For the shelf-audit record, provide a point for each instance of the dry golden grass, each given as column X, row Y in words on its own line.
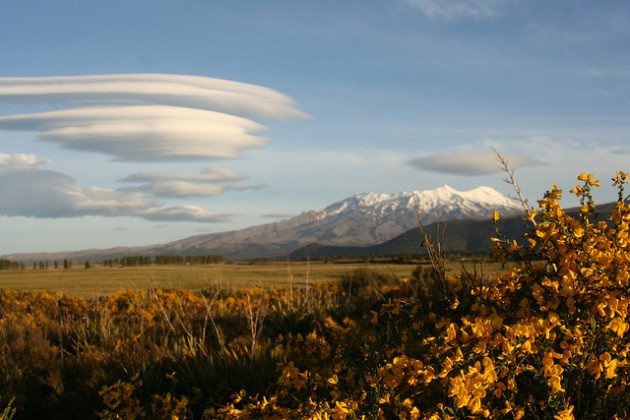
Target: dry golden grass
column 546, row 338
column 98, row 281
column 104, row 280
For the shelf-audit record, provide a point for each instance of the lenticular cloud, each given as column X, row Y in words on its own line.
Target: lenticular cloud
column 469, row 163
column 176, row 90
column 146, row 117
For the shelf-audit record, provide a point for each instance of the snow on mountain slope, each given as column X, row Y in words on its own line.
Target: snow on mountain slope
column 364, row 219
column 429, row 203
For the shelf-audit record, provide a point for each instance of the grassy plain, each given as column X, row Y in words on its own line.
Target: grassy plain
column 100, row 280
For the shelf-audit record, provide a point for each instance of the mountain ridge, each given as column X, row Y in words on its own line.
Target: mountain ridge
column 362, row 219
column 458, row 236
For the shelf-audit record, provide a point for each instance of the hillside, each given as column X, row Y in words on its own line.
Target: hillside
column 465, row 236
column 462, row 236
column 360, row 220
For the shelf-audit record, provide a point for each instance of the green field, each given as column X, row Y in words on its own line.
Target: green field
column 104, row 280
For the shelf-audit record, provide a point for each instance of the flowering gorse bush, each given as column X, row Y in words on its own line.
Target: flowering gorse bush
column 546, row 338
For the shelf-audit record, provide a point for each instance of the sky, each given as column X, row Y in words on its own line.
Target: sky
column 142, row 122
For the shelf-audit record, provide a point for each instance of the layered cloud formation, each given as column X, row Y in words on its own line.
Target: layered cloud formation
column 177, row 185
column 134, row 118
column 166, row 89
column 209, row 175
column 27, row 190
column 146, row 117
column 142, row 132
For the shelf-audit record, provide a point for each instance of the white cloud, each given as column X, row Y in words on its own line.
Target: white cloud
column 186, row 213
column 178, row 189
column 142, row 132
column 33, row 192
column 253, row 187
column 469, row 163
column 147, row 117
column 209, row 175
column 20, row 159
column 277, row 215
column 181, row 189
column 459, row 9
column 550, row 148
column 206, row 93
column 182, row 184
column 133, row 117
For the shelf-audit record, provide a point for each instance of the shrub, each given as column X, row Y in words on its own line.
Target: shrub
column 547, row 338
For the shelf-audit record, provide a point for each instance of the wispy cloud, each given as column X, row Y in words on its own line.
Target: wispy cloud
column 147, row 117
column 550, row 148
column 459, row 9
column 20, row 159
column 26, row 190
column 177, row 189
column 603, row 72
column 277, row 215
column 209, row 175
column 185, row 213
column 181, row 184
column 250, row 187
column 469, row 163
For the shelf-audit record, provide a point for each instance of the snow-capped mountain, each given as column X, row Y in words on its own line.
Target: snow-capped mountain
column 359, row 220
column 362, row 219
column 443, row 203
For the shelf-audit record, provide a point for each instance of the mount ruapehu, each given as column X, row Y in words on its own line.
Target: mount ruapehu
column 361, row 220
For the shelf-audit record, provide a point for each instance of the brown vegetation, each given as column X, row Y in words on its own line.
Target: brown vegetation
column 546, row 339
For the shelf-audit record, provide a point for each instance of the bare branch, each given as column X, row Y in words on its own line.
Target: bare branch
column 505, row 167
column 434, row 251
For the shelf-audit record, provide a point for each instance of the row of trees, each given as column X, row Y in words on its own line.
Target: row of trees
column 37, row 265
column 188, row 259
column 143, row 260
column 45, row 265
column 11, row 265
column 131, row 261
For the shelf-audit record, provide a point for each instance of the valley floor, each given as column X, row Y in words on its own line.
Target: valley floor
column 100, row 280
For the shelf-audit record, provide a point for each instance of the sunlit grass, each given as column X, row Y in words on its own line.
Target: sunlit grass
column 100, row 280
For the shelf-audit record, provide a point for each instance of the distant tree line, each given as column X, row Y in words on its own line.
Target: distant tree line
column 143, row 260
column 130, row 261
column 188, row 259
column 66, row 264
column 37, row 265
column 11, row 265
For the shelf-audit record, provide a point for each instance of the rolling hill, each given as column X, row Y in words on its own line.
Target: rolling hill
column 460, row 236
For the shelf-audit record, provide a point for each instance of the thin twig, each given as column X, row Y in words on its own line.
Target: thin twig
column 435, row 253
column 505, row 167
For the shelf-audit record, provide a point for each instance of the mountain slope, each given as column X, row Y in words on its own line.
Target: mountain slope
column 360, row 220
column 465, row 236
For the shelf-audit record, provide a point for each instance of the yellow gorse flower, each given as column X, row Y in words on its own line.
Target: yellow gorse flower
column 522, row 342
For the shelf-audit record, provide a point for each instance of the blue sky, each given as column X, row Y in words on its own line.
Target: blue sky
column 358, row 96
